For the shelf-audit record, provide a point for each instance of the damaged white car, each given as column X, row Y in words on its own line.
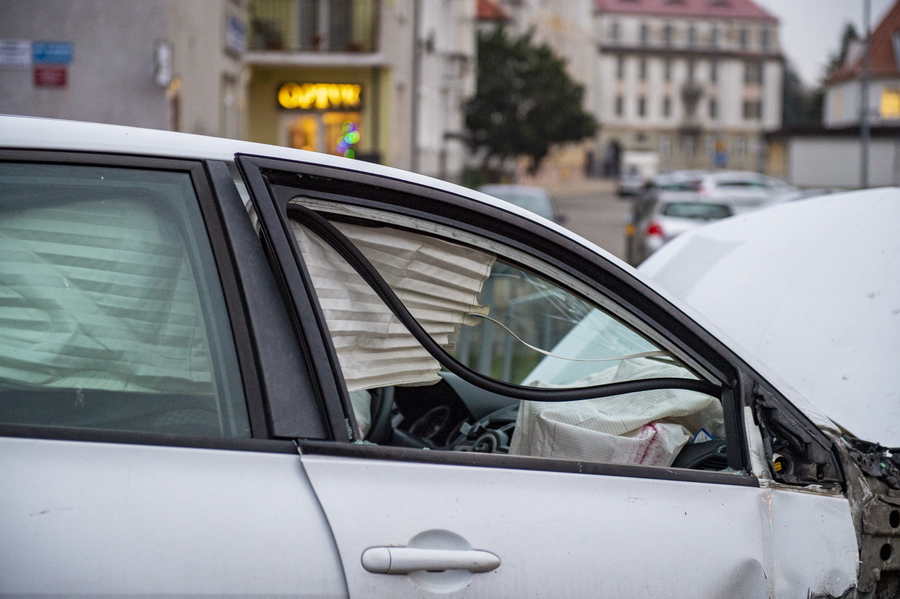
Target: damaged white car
column 238, row 370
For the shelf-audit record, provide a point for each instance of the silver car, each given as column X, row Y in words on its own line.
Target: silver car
column 231, row 369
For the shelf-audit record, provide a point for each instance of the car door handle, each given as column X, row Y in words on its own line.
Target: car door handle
column 403, row 560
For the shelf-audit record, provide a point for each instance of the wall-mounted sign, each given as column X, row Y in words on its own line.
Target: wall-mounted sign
column 322, row 96
column 235, row 36
column 51, row 52
column 15, row 53
column 50, row 76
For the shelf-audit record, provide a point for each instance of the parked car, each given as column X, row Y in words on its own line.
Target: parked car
column 743, row 190
column 244, row 370
column 631, row 183
column 643, row 233
column 530, row 197
column 683, row 200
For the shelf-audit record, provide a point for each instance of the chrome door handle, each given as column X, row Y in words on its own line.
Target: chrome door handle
column 403, row 560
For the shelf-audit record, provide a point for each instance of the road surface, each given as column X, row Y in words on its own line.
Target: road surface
column 592, row 209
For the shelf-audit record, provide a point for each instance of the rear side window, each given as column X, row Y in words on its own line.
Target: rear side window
column 111, row 310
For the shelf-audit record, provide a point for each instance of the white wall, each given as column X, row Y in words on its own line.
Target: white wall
column 447, row 78
column 110, row 78
column 835, row 162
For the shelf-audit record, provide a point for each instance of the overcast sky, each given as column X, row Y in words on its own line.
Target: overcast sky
column 811, row 29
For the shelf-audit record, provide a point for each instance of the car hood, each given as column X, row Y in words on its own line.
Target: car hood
column 812, row 289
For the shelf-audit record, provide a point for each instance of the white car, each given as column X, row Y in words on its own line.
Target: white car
column 743, row 190
column 231, row 369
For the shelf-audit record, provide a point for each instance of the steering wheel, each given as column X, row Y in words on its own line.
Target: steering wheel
column 380, row 431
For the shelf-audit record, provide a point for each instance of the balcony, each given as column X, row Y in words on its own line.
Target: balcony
column 313, row 31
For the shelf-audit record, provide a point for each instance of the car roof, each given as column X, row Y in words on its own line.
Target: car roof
column 513, row 187
column 22, row 132
column 811, row 289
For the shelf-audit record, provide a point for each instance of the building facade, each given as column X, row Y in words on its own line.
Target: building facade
column 697, row 82
column 162, row 64
column 843, row 86
column 381, row 81
column 834, row 155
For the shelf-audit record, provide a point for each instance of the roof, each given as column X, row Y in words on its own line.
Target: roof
column 488, row 10
column 882, row 59
column 706, row 9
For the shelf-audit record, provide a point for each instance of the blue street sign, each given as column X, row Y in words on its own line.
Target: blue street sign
column 51, row 52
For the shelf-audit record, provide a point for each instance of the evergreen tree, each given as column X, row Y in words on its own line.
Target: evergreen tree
column 524, row 103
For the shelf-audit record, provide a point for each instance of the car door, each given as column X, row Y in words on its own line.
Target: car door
column 585, row 498
column 138, row 323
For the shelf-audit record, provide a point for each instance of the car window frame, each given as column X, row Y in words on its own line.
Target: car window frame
column 220, row 247
column 531, row 237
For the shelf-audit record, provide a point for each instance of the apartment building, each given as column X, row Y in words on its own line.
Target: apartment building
column 696, row 81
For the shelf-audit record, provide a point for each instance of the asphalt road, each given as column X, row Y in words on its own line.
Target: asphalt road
column 592, row 209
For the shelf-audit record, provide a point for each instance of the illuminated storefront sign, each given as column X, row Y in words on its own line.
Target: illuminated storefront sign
column 321, row 96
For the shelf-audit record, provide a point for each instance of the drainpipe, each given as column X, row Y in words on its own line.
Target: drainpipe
column 864, row 133
column 415, row 94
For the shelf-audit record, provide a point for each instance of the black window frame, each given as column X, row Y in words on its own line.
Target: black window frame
column 274, row 182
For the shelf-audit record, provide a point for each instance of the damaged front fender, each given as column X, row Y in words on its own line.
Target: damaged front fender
column 873, row 489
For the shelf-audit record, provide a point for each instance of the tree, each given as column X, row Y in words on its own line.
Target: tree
column 848, row 37
column 800, row 106
column 524, row 102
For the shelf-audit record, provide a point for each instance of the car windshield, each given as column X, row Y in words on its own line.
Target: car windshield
column 535, row 200
column 696, row 210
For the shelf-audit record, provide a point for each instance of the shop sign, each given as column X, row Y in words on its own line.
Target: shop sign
column 322, row 96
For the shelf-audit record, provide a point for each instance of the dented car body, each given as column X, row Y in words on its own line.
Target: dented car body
column 234, row 369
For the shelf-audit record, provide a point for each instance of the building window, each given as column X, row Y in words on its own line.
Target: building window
column 687, row 147
column 667, row 69
column 667, row 106
column 314, row 25
column 642, row 107
column 837, row 105
column 890, row 104
column 714, row 37
column 614, row 31
column 692, row 36
column 620, row 105
column 764, row 38
column 620, row 67
column 665, row 146
column 642, row 69
column 713, row 108
column 714, row 71
column 752, row 73
column 740, row 147
column 743, row 38
column 752, row 109
column 667, row 35
column 645, row 34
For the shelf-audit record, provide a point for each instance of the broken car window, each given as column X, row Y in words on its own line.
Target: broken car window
column 512, row 325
